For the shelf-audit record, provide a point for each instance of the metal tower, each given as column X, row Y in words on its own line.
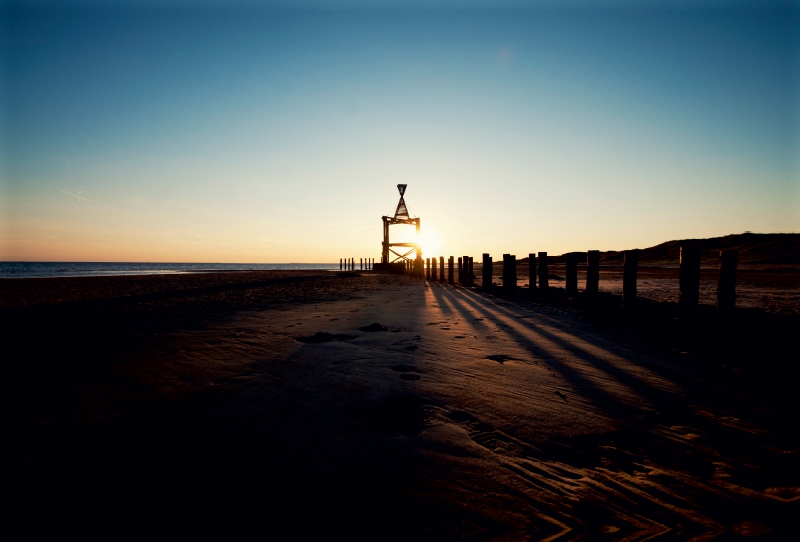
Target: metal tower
column 400, row 217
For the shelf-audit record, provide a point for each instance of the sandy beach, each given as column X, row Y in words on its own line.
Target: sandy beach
column 385, row 407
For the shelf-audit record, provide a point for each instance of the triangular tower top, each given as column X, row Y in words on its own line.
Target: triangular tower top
column 402, row 210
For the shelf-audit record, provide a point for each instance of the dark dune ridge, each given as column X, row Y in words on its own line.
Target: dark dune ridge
column 754, row 249
column 379, row 407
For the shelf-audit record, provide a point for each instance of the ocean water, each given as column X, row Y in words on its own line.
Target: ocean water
column 19, row 270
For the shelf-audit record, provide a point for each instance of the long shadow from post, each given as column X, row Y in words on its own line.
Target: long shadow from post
column 625, row 377
column 455, row 307
column 602, row 344
column 597, row 342
column 605, row 344
column 589, row 390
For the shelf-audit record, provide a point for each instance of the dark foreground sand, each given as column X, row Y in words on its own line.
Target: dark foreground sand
column 264, row 401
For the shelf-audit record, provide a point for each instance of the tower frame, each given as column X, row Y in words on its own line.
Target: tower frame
column 389, row 255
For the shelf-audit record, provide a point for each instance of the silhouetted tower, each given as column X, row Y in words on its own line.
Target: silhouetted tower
column 400, row 217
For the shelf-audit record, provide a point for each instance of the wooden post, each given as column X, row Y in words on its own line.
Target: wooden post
column 460, row 271
column 509, row 273
column 630, row 267
column 592, row 272
column 726, row 289
column 434, row 270
column 544, row 284
column 427, row 269
column 486, row 282
column 441, row 269
column 689, row 278
column 532, row 272
column 340, row 264
column 471, row 271
column 572, row 273
column 450, row 270
column 361, row 264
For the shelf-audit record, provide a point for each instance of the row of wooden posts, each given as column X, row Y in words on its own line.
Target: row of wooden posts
column 689, row 275
column 349, row 264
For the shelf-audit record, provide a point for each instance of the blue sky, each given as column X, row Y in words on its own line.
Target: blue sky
column 158, row 132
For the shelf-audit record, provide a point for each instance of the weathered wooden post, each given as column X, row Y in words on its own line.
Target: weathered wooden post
column 532, row 272
column 434, row 271
column 361, row 264
column 486, row 281
column 572, row 273
column 689, row 278
column 340, row 264
column 471, row 271
column 592, row 272
column 509, row 273
column 427, row 269
column 419, row 272
column 450, row 270
column 460, row 270
column 726, row 288
column 544, row 283
column 630, row 267
column 441, row 269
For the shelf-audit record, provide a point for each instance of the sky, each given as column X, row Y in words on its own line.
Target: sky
column 246, row 131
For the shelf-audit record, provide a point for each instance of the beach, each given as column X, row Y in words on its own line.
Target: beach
column 386, row 407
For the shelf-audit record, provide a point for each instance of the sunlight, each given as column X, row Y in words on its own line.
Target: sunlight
column 430, row 241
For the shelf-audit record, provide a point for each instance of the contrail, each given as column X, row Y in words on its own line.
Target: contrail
column 79, row 197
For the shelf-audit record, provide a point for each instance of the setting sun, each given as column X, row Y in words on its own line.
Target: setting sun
column 430, row 242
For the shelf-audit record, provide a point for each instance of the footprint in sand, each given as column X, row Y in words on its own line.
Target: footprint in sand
column 501, row 358
column 373, row 327
column 324, row 337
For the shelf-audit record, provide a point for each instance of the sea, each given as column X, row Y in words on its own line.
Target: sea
column 26, row 270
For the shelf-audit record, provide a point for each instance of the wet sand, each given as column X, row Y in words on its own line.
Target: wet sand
column 269, row 399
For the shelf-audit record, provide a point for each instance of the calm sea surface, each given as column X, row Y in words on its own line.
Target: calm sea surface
column 19, row 270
